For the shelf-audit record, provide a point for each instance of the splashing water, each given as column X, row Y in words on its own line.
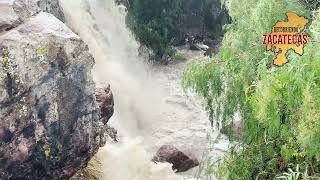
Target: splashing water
column 101, row 25
column 145, row 116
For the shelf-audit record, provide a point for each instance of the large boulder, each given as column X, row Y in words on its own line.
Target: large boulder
column 180, row 161
column 50, row 122
column 14, row 12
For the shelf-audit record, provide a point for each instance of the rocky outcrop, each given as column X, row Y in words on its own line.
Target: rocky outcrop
column 52, row 7
column 50, row 122
column 105, row 101
column 14, row 12
column 180, row 161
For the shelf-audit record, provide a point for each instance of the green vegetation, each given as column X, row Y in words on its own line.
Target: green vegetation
column 47, row 152
column 42, row 50
column 279, row 107
column 293, row 175
column 159, row 24
column 179, row 57
column 154, row 23
column 5, row 58
column 311, row 4
column 4, row 67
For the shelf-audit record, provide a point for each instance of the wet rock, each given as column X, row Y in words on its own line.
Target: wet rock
column 198, row 47
column 194, row 47
column 210, row 52
column 180, row 161
column 112, row 134
column 50, row 122
column 93, row 169
column 15, row 12
column 166, row 59
column 105, row 101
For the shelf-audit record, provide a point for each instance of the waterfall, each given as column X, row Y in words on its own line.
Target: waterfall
column 101, row 24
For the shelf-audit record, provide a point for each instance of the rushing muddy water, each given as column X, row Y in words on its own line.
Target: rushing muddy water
column 151, row 108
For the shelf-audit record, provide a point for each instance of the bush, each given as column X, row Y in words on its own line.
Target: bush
column 311, row 4
column 279, row 106
column 154, row 23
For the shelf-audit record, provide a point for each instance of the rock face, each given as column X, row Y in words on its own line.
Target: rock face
column 105, row 101
column 50, row 122
column 202, row 19
column 52, row 7
column 180, row 161
column 14, row 12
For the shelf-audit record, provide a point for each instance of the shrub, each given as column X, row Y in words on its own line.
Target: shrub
column 154, row 23
column 279, row 106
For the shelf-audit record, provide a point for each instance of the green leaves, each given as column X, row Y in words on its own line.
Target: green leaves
column 205, row 77
column 154, row 23
column 280, row 107
column 291, row 175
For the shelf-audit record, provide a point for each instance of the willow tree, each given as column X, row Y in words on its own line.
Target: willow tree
column 279, row 106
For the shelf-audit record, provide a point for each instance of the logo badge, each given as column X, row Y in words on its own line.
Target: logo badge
column 287, row 36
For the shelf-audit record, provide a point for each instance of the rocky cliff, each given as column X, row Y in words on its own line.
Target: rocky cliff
column 202, row 19
column 50, row 121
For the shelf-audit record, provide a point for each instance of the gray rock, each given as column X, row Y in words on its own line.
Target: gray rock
column 50, row 122
column 14, row 12
column 198, row 47
column 52, row 7
column 105, row 102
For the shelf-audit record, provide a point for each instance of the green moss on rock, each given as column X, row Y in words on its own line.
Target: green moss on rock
column 42, row 50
